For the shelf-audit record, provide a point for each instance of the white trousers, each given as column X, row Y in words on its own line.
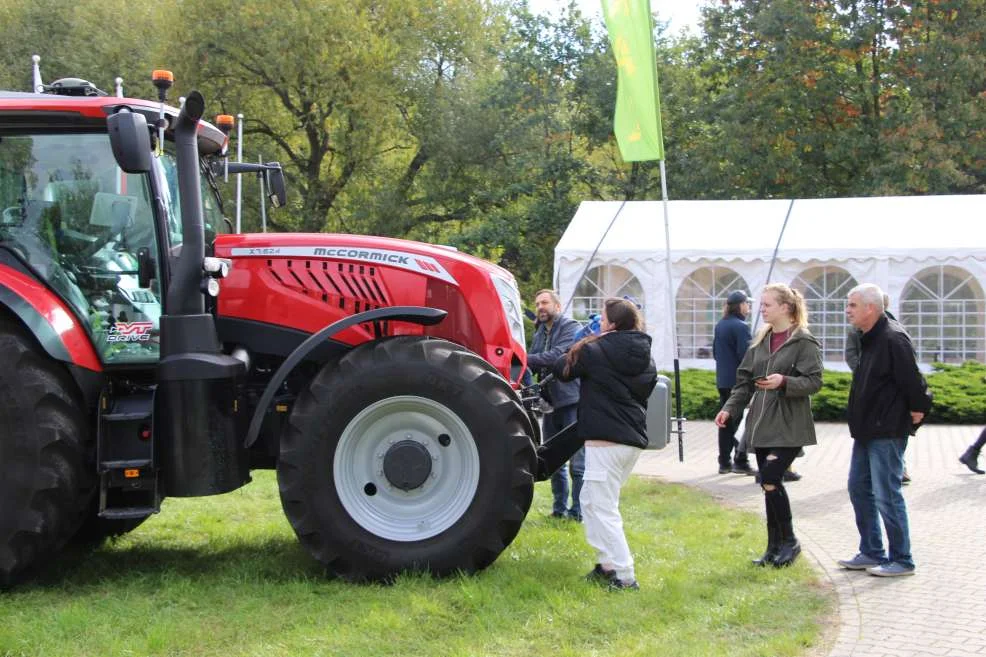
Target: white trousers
column 606, row 470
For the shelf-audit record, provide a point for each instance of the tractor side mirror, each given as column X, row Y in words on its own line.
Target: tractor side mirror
column 130, row 140
column 145, row 267
column 278, row 194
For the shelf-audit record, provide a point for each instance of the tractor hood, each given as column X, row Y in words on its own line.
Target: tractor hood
column 433, row 261
column 304, row 282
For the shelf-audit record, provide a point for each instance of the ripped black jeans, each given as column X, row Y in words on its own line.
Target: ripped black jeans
column 772, row 462
column 772, row 469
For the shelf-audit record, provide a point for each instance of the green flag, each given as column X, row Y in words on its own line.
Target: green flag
column 638, row 105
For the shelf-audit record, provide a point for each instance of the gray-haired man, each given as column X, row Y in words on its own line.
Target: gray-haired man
column 854, row 347
column 887, row 399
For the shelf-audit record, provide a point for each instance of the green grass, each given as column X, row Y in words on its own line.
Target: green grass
column 225, row 576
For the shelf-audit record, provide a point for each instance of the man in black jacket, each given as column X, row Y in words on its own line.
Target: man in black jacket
column 887, row 399
column 854, row 346
column 554, row 335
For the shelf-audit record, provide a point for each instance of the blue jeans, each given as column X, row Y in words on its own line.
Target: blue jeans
column 875, row 473
column 554, row 422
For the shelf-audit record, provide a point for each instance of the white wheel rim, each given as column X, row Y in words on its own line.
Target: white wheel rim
column 385, row 510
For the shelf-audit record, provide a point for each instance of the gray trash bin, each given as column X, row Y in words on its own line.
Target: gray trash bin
column 659, row 414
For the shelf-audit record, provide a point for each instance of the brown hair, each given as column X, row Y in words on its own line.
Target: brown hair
column 554, row 295
column 798, row 313
column 622, row 314
column 732, row 308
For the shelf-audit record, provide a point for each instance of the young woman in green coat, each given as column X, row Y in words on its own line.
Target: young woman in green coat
column 780, row 370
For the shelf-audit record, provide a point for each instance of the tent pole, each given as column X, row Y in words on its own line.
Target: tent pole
column 773, row 257
column 674, row 328
column 588, row 263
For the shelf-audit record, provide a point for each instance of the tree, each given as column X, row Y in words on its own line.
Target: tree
column 935, row 128
column 80, row 39
column 341, row 92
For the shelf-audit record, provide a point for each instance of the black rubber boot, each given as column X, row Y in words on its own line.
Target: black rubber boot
column 789, row 548
column 773, row 547
column 971, row 460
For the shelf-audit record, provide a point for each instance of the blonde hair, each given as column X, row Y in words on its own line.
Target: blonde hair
column 798, row 312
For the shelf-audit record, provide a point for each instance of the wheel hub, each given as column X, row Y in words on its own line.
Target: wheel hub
column 407, row 465
column 406, row 468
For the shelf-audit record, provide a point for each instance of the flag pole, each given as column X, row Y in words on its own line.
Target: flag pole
column 674, row 317
column 637, row 126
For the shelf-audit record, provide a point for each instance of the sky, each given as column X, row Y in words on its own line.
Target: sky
column 683, row 13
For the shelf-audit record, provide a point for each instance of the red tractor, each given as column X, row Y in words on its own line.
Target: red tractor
column 378, row 376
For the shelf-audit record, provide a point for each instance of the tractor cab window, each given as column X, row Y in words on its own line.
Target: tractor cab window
column 78, row 221
column 212, row 216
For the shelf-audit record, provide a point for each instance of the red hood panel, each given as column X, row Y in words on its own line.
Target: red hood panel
column 367, row 249
column 307, row 281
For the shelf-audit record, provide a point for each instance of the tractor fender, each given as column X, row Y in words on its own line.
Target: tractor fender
column 49, row 320
column 413, row 314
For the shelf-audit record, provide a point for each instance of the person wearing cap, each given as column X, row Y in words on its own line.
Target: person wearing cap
column 729, row 345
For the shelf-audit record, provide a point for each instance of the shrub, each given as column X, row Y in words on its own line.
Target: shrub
column 959, row 394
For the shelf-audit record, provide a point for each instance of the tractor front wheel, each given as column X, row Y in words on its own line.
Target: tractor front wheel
column 408, row 454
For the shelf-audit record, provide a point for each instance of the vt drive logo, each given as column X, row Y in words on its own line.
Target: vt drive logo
column 411, row 261
column 130, row 332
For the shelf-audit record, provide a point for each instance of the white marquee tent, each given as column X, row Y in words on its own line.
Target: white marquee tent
column 928, row 253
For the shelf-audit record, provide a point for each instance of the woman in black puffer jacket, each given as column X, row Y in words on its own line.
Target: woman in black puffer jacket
column 617, row 375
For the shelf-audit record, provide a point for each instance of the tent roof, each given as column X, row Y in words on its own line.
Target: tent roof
column 895, row 228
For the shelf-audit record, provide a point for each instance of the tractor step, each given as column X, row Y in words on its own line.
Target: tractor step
column 128, row 476
column 126, row 513
column 107, row 466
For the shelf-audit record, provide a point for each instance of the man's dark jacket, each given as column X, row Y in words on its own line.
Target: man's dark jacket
column 617, row 375
column 729, row 345
column 546, row 347
column 853, row 345
column 886, row 385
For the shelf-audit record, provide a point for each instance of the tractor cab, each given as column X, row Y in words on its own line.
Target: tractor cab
column 87, row 228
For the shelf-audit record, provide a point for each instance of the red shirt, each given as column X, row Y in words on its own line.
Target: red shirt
column 777, row 339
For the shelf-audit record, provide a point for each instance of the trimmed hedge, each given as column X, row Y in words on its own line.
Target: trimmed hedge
column 959, row 394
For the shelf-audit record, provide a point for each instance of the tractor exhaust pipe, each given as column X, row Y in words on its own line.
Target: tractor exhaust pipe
column 185, row 292
column 196, row 416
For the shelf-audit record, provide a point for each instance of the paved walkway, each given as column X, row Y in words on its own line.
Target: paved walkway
column 939, row 611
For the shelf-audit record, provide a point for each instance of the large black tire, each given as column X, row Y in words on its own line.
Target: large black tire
column 365, row 433
column 45, row 486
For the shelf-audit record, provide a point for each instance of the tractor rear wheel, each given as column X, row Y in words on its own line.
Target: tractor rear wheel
column 409, row 454
column 45, row 487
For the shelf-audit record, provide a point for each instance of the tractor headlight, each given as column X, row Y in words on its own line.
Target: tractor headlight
column 510, row 300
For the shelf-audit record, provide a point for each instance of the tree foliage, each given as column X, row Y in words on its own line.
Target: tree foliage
column 479, row 124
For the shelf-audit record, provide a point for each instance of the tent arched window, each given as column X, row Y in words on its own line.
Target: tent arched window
column 944, row 310
column 825, row 289
column 601, row 283
column 698, row 307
